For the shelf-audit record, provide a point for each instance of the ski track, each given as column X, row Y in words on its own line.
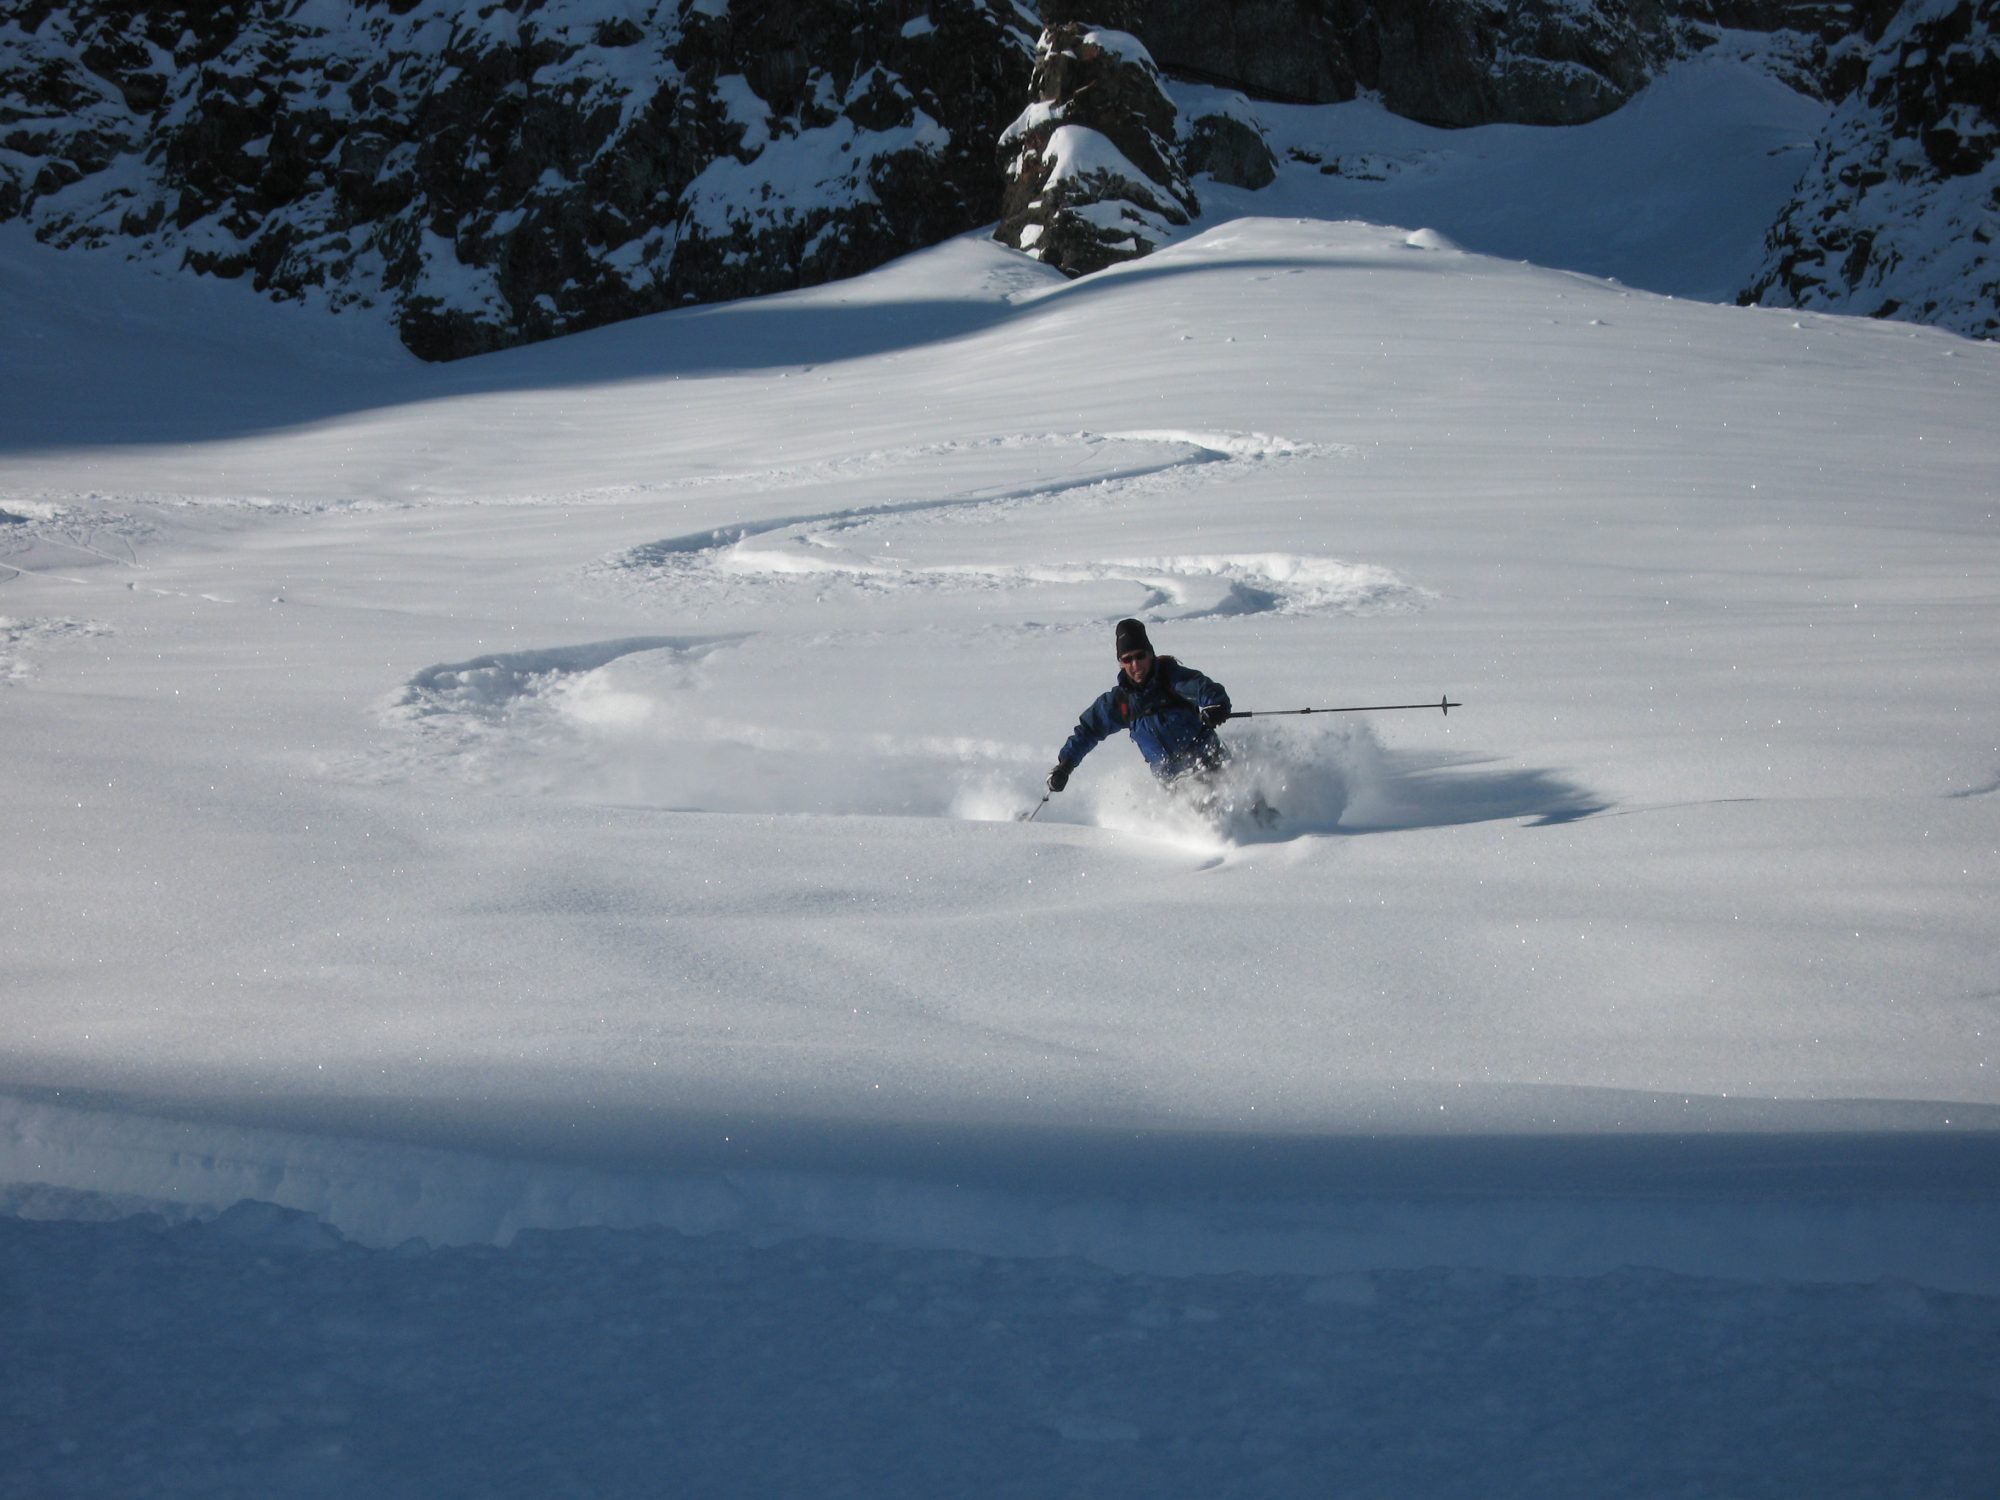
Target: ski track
column 530, row 719
column 472, row 715
column 19, row 637
column 545, row 722
column 520, row 715
column 809, row 550
column 43, row 536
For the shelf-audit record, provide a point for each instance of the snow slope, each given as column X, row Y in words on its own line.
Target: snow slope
column 474, row 679
column 575, row 789
column 609, row 1362
column 1673, row 193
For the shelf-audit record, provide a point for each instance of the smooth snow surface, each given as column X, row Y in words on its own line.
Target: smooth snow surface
column 542, row 758
column 576, row 790
column 1672, row 193
column 605, row 1362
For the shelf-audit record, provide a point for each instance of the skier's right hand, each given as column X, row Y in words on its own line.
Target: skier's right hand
column 1059, row 777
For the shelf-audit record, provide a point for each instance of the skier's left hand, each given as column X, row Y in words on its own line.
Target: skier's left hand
column 1214, row 714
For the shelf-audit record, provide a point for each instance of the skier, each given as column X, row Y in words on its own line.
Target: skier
column 1171, row 711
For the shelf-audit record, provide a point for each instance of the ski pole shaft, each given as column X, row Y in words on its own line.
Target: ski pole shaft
column 1443, row 705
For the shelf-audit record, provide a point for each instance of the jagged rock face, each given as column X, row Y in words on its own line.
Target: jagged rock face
column 1821, row 48
column 1899, row 213
column 1446, row 62
column 1229, row 149
column 1533, row 62
column 518, row 169
column 508, row 170
column 1092, row 166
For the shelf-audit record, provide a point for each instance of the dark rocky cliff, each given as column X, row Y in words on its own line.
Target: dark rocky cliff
column 1899, row 213
column 1456, row 63
column 1445, row 62
column 506, row 171
column 1093, row 167
column 1896, row 218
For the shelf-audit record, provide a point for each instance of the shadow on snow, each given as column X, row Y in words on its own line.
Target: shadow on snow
column 1444, row 789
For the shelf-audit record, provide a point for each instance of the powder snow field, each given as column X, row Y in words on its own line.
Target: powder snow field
column 575, row 791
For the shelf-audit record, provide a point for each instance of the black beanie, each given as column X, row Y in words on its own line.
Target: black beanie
column 1132, row 637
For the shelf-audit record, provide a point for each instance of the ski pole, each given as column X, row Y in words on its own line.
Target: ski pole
column 1029, row 817
column 1443, row 705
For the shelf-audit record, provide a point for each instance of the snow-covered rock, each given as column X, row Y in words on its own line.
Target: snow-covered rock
column 1452, row 62
column 494, row 175
column 500, row 174
column 1898, row 214
column 1092, row 166
column 1226, row 141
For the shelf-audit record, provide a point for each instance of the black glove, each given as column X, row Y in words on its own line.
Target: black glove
column 1214, row 714
column 1059, row 777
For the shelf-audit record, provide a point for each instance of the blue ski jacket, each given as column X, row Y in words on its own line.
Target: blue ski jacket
column 1163, row 717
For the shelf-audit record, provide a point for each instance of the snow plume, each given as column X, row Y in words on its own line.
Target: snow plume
column 1282, row 781
column 633, row 722
column 490, row 718
column 651, row 742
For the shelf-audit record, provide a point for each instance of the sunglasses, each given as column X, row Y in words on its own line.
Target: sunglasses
column 1131, row 657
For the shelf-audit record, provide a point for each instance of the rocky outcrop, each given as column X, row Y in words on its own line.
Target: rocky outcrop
column 1092, row 166
column 1899, row 213
column 505, row 172
column 1228, row 147
column 1445, row 62
column 1897, row 217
